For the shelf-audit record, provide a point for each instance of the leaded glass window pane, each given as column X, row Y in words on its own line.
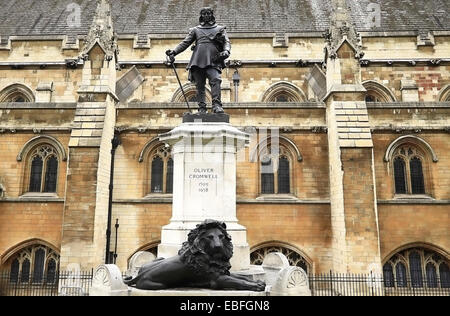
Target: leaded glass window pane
column 400, row 274
column 51, row 271
column 431, row 275
column 399, row 175
column 415, row 267
column 169, row 177
column 14, row 271
column 25, row 275
column 157, row 175
column 388, row 274
column 51, row 174
column 38, row 270
column 36, row 174
column 444, row 275
column 283, row 176
column 417, row 184
column 267, row 177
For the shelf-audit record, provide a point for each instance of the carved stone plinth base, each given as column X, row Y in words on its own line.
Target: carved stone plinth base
column 281, row 280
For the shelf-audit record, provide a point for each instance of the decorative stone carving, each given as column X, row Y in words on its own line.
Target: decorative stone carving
column 284, row 279
column 107, row 281
column 101, row 33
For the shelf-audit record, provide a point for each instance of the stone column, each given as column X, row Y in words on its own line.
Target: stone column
column 204, row 185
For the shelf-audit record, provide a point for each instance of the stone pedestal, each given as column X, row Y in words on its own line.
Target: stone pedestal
column 204, row 155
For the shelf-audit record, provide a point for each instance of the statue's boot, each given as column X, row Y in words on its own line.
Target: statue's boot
column 202, row 108
column 217, row 107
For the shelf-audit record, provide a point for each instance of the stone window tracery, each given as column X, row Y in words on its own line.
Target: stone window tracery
column 43, row 168
column 16, row 93
column 295, row 259
column 161, row 166
column 376, row 92
column 35, row 264
column 417, row 268
column 284, row 92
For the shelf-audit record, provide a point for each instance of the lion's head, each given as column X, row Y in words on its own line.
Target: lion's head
column 208, row 248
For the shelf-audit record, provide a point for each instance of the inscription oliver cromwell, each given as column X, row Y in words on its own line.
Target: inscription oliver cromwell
column 202, row 180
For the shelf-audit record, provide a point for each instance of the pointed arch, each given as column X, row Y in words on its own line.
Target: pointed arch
column 417, row 244
column 417, row 265
column 378, row 91
column 27, row 243
column 190, row 91
column 17, row 92
column 444, row 94
column 294, row 255
column 148, row 147
column 29, row 145
column 412, row 139
column 286, row 89
column 158, row 167
column 283, row 140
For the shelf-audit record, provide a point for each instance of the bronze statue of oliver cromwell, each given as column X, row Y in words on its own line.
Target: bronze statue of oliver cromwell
column 212, row 47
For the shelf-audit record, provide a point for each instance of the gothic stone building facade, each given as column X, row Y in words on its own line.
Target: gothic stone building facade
column 358, row 91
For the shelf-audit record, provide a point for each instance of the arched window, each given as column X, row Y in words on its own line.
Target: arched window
column 283, row 91
column 376, row 92
column 161, row 177
column 43, row 169
column 36, row 264
column 276, row 173
column 16, row 93
column 414, row 265
column 294, row 256
column 408, row 170
column 191, row 94
column 276, row 156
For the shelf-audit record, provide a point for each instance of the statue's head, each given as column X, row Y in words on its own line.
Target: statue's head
column 207, row 16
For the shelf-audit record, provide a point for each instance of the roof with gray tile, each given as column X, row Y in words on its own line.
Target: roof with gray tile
column 400, row 15
column 45, row 17
column 163, row 16
column 52, row 17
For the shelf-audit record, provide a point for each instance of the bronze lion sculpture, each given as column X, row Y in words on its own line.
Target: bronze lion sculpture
column 202, row 262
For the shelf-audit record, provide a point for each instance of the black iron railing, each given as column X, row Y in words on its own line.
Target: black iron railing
column 65, row 283
column 336, row 284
